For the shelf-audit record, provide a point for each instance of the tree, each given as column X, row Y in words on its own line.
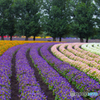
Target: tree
column 97, row 34
column 58, row 18
column 98, row 14
column 84, row 23
column 97, row 2
column 35, row 27
column 11, row 18
column 3, row 18
column 29, row 17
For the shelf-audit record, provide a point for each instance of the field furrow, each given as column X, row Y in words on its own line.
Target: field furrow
column 90, row 56
column 44, row 87
column 81, row 81
column 6, row 73
column 49, row 71
column 61, row 88
column 92, row 72
column 14, row 82
column 77, row 56
column 28, row 86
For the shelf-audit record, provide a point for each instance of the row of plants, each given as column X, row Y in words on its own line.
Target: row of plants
column 97, row 45
column 90, row 56
column 72, row 48
column 59, row 85
column 5, row 73
column 81, row 81
column 79, row 49
column 38, row 37
column 51, row 74
column 5, row 45
column 90, row 47
column 28, row 86
column 92, row 72
column 77, row 56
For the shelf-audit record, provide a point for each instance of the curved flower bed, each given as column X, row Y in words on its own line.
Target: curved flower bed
column 93, row 46
column 95, row 73
column 75, row 55
column 90, row 56
column 55, row 73
column 76, row 52
column 5, row 73
column 82, row 82
column 90, row 48
column 5, row 45
column 28, row 85
column 61, row 88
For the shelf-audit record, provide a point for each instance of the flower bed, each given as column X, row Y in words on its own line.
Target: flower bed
column 60, row 77
column 90, row 48
column 90, row 55
column 82, row 81
column 61, row 88
column 5, row 45
column 28, row 85
column 77, row 56
column 95, row 73
column 5, row 73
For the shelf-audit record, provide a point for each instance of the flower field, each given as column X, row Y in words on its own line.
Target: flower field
column 5, row 45
column 92, row 47
column 48, row 71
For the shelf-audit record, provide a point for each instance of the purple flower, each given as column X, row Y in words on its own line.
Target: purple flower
column 82, row 81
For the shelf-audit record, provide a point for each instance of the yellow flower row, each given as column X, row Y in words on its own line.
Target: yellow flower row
column 6, row 44
column 38, row 37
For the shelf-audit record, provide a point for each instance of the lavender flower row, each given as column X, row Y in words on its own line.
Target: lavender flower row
column 28, row 86
column 81, row 80
column 5, row 73
column 61, row 88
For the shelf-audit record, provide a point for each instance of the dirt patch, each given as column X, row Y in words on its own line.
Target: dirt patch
column 14, row 83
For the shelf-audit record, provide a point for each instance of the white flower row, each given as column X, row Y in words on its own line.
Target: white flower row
column 89, row 47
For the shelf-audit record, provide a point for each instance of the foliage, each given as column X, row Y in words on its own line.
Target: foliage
column 11, row 18
column 29, row 15
column 58, row 18
column 3, row 19
column 84, row 23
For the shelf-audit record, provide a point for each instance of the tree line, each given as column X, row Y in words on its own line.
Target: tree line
column 57, row 18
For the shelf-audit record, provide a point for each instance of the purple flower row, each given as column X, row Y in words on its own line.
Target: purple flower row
column 28, row 85
column 61, row 88
column 5, row 73
column 80, row 79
